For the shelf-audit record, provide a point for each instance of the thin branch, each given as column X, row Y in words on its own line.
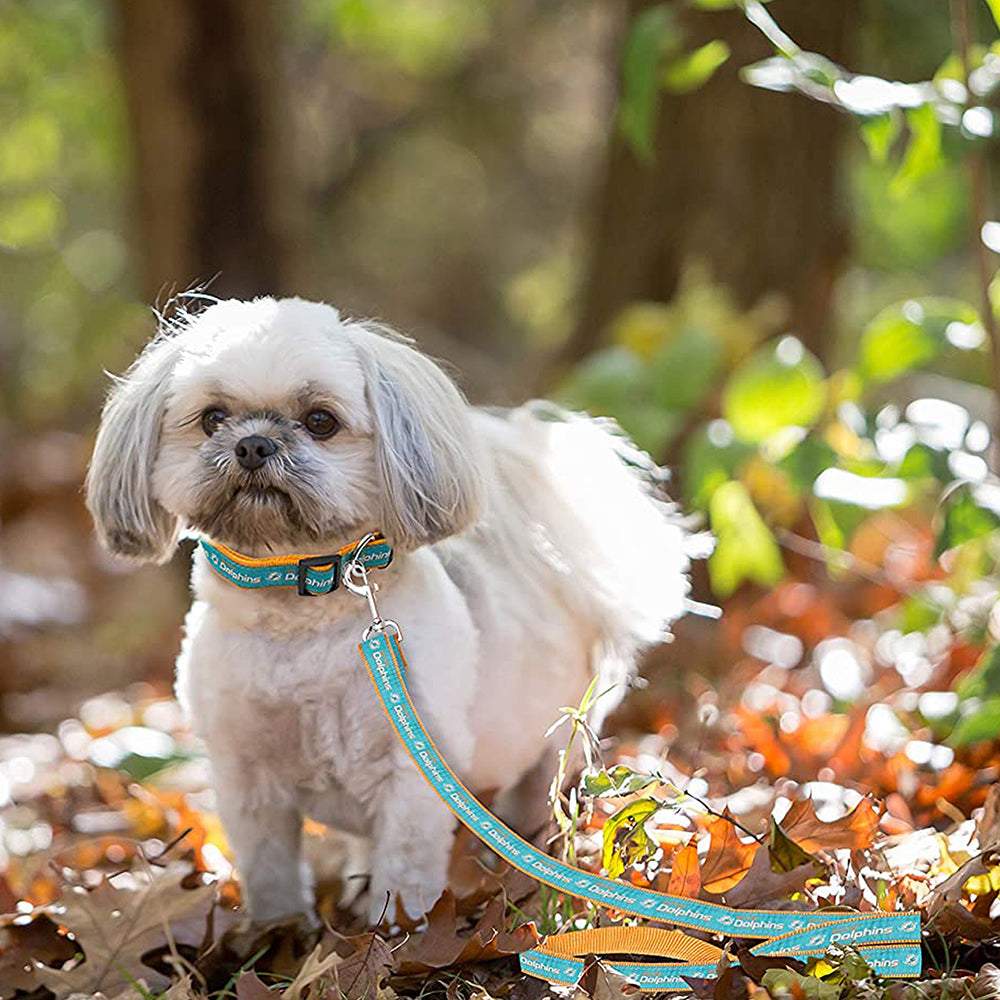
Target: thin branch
column 851, row 563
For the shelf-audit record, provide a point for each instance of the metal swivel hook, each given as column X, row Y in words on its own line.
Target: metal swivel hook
column 355, row 579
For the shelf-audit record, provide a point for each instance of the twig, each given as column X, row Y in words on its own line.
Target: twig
column 980, row 206
column 712, row 812
column 826, row 554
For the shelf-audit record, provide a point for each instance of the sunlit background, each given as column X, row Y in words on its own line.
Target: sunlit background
column 770, row 263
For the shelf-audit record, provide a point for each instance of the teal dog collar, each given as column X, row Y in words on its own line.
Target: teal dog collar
column 311, row 575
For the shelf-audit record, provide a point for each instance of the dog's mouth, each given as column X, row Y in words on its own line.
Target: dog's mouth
column 259, row 493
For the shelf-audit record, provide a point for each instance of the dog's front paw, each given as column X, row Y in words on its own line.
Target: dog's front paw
column 400, row 896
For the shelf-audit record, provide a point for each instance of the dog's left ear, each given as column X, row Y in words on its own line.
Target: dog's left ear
column 428, row 458
column 130, row 521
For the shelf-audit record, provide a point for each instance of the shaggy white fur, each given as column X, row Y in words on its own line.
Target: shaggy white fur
column 531, row 552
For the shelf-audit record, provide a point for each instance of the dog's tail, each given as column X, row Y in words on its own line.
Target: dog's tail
column 609, row 537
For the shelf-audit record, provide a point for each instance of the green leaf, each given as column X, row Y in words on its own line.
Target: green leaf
column 917, row 615
column 651, row 35
column 807, row 460
column 694, row 69
column 604, row 381
column 745, row 548
column 923, row 152
column 965, row 518
column 30, row 149
column 620, row 780
column 829, row 530
column 994, row 6
column 909, row 334
column 710, row 461
column 921, row 461
column 685, row 370
column 30, row 220
column 983, row 681
column 625, row 838
column 616, row 382
column 983, row 723
column 879, row 133
column 778, row 386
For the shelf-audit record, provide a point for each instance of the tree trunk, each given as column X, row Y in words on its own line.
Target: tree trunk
column 743, row 179
column 214, row 191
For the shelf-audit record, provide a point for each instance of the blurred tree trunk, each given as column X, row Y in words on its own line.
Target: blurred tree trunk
column 744, row 180
column 214, row 192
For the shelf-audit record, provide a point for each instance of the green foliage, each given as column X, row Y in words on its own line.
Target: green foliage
column 62, row 160
column 781, row 983
column 684, row 371
column 980, row 722
column 965, row 518
column 779, row 386
column 652, row 34
column 421, row 38
column 879, row 133
column 711, row 459
column 994, row 6
column 626, row 840
column 745, row 548
column 694, row 69
column 984, row 680
column 619, row 780
column 911, row 334
column 652, row 61
column 924, row 155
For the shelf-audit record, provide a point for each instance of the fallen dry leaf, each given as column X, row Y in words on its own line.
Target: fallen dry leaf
column 727, row 984
column 24, row 943
column 762, row 886
column 443, row 944
column 954, row 920
column 249, row 987
column 315, row 970
column 115, row 926
column 950, row 890
column 685, row 876
column 854, row 831
column 360, row 975
column 600, row 982
column 988, row 823
column 728, row 858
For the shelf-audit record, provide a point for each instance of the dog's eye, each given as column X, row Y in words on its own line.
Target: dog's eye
column 212, row 419
column 321, row 424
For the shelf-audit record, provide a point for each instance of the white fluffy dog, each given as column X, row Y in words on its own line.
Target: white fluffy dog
column 531, row 551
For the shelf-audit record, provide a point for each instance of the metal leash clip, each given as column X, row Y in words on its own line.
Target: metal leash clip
column 354, row 577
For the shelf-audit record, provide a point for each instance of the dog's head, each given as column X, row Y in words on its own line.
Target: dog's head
column 276, row 424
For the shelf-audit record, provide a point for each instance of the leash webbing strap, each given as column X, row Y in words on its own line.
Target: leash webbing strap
column 889, row 942
column 312, row 575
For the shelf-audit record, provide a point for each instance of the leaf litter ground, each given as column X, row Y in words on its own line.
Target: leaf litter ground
column 798, row 766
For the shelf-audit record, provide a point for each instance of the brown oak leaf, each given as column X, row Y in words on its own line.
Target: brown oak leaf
column 728, row 858
column 115, row 926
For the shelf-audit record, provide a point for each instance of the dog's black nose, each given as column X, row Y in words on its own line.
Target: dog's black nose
column 252, row 451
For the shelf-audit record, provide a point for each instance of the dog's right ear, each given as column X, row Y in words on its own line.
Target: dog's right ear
column 130, row 522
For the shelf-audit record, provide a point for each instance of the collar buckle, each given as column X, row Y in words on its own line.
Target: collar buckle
column 311, row 562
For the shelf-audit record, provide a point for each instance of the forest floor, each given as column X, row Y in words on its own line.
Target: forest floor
column 791, row 764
